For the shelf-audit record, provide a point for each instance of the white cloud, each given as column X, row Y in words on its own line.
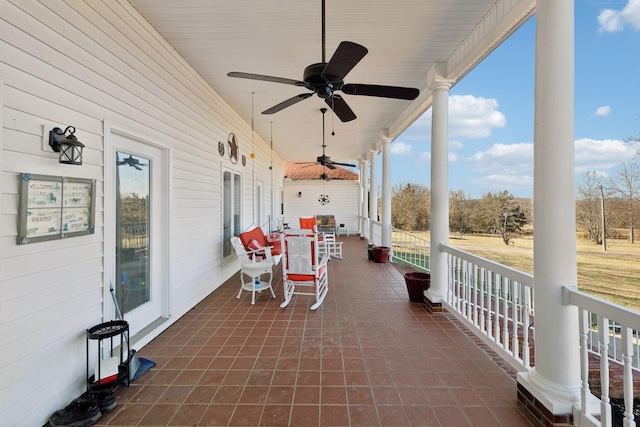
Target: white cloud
column 611, row 20
column 469, row 117
column 605, row 110
column 510, row 159
column 399, row 147
column 597, row 155
column 455, row 145
column 510, row 166
column 499, row 182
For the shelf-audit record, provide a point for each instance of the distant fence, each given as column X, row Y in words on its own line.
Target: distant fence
column 410, row 249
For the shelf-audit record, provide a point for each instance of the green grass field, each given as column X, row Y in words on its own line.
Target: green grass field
column 613, row 275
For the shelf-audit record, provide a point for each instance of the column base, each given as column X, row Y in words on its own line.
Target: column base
column 432, row 306
column 540, row 407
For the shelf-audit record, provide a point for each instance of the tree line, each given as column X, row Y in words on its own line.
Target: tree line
column 609, row 202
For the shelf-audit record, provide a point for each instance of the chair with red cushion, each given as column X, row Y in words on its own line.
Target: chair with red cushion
column 308, row 223
column 253, row 270
column 304, row 270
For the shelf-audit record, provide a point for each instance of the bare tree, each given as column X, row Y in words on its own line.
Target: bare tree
column 626, row 185
column 589, row 206
column 500, row 213
column 410, row 207
column 460, row 212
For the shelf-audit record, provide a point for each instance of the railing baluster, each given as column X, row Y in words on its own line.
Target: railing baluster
column 497, row 281
column 585, row 393
column 526, row 324
column 515, row 342
column 483, row 288
column 505, row 312
column 475, row 295
column 627, row 357
column 490, row 284
column 603, row 340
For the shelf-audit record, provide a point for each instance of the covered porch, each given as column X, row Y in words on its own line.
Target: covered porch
column 367, row 357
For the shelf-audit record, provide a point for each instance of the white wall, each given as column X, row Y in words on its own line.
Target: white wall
column 86, row 64
column 343, row 201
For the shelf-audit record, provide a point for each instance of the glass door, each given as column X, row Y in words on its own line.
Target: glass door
column 137, row 223
column 133, row 240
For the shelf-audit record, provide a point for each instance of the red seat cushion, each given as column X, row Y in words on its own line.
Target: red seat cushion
column 303, row 277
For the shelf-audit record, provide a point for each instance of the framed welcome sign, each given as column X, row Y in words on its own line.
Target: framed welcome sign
column 54, row 207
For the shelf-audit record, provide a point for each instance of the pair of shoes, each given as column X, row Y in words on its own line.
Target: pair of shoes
column 80, row 412
column 104, row 399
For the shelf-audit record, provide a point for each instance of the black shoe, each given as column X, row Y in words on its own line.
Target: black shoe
column 79, row 413
column 105, row 400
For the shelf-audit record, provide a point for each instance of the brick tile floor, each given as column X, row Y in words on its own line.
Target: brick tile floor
column 367, row 357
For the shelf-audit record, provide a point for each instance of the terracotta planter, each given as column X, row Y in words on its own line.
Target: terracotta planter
column 417, row 283
column 381, row 253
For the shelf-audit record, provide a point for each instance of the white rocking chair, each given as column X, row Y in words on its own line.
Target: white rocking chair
column 253, row 270
column 303, row 272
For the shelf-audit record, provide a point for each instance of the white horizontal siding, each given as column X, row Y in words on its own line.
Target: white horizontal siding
column 343, row 203
column 84, row 64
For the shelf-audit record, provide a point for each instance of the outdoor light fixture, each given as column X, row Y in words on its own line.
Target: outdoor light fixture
column 299, row 193
column 68, row 146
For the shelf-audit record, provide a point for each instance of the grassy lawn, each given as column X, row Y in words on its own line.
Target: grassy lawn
column 613, row 275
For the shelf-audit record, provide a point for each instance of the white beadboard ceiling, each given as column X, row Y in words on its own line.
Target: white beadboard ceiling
column 281, row 37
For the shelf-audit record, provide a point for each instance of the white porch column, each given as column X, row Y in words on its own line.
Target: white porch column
column 373, row 193
column 555, row 381
column 364, row 200
column 385, row 218
column 439, row 190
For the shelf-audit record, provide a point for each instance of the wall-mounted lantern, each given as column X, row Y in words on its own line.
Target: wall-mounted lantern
column 68, row 146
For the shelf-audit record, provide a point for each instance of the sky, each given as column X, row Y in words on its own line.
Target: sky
column 491, row 109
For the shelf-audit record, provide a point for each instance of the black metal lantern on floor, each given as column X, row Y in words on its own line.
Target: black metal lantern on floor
column 68, row 146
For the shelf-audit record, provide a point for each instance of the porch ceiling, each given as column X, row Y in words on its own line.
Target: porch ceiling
column 281, row 37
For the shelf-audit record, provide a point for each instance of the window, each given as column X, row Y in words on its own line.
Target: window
column 232, row 209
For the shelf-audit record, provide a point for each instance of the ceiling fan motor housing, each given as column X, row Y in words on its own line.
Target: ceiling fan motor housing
column 323, row 85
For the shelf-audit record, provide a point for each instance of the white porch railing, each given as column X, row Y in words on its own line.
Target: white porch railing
column 609, row 333
column 495, row 301
column 410, row 249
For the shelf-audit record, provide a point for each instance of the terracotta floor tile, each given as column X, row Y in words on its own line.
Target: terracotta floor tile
column 366, row 357
column 305, row 416
column 363, row 416
column 393, row 416
column 217, row 415
column 188, row 415
column 159, row 414
column 334, row 415
column 247, row 415
column 276, row 415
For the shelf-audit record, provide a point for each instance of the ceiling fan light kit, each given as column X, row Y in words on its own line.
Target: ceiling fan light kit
column 325, row 78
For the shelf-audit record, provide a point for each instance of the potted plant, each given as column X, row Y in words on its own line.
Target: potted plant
column 417, row 283
column 381, row 253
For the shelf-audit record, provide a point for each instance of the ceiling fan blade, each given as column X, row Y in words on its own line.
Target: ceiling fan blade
column 344, row 164
column 396, row 92
column 329, row 165
column 289, row 102
column 340, row 107
column 262, row 77
column 346, row 56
